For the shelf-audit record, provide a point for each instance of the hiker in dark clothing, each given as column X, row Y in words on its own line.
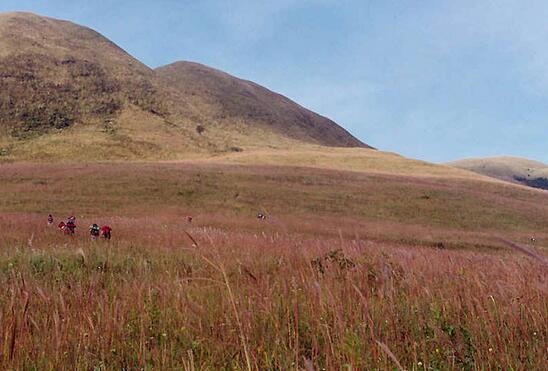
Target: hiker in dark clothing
column 70, row 226
column 94, row 231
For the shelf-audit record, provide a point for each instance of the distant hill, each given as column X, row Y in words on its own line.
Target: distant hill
column 511, row 169
column 69, row 92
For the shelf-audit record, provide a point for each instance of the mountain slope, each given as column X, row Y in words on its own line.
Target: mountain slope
column 68, row 92
column 55, row 73
column 511, row 169
column 232, row 99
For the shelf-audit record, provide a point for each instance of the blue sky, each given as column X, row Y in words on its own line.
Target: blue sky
column 435, row 80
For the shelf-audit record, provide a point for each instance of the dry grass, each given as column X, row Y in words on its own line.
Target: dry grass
column 386, row 277
column 151, row 299
column 138, row 135
column 349, row 159
column 288, row 192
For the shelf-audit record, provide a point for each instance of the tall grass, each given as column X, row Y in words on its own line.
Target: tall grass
column 240, row 298
column 349, row 271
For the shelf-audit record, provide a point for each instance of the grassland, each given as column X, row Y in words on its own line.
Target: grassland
column 351, row 270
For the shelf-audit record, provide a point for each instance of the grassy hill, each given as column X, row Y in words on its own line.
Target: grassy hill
column 55, row 74
column 510, row 169
column 229, row 100
column 69, row 93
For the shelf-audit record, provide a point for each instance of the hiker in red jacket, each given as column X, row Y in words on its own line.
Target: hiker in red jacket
column 106, row 232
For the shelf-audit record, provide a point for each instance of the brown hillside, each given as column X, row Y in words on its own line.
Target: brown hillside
column 66, row 90
column 233, row 99
column 55, row 73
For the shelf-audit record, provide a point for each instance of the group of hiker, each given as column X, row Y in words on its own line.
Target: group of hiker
column 68, row 227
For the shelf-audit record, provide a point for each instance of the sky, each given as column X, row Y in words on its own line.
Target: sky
column 434, row 80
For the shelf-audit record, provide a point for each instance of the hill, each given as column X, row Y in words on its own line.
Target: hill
column 68, row 91
column 231, row 99
column 55, row 74
column 511, row 169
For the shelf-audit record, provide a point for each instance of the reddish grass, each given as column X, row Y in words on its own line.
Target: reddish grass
column 349, row 271
column 260, row 298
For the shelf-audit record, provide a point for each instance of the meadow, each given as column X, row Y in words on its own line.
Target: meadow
column 350, row 271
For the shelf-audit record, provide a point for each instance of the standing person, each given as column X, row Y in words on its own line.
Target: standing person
column 105, row 232
column 94, row 231
column 50, row 220
column 71, row 225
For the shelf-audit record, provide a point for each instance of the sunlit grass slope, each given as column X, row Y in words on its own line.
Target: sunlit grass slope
column 352, row 159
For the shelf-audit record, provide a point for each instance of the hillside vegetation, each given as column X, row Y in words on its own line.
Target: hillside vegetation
column 55, row 74
column 229, row 100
